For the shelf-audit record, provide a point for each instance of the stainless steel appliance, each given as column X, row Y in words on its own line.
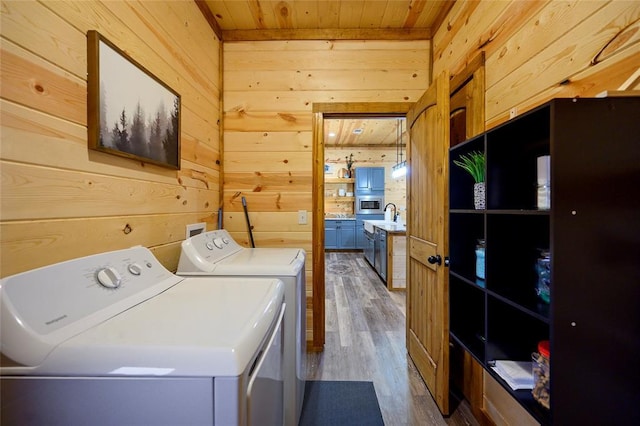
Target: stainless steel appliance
column 115, row 338
column 369, row 204
column 369, row 247
column 380, row 253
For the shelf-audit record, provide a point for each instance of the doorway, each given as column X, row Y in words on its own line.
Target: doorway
column 322, row 112
column 354, row 142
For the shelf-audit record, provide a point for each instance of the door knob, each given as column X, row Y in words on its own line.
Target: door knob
column 435, row 259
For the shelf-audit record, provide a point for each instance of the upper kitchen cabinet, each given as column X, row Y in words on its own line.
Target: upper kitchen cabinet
column 369, row 180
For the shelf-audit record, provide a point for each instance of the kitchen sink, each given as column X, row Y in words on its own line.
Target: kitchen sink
column 385, row 224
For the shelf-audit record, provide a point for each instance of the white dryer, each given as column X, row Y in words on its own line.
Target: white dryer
column 115, row 339
column 215, row 253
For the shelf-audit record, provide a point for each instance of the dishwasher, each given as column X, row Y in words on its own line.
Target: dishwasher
column 369, row 247
column 381, row 253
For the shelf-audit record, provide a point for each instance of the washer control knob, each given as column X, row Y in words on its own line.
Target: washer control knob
column 218, row 242
column 209, row 245
column 225, row 240
column 109, row 278
column 135, row 269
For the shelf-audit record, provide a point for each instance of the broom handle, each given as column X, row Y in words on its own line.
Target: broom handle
column 246, row 215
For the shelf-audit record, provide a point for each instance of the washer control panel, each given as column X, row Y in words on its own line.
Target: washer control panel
column 50, row 298
column 214, row 245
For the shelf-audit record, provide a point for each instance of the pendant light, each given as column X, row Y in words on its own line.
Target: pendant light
column 400, row 169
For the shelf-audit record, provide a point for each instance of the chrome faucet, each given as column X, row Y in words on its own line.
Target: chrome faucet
column 395, row 210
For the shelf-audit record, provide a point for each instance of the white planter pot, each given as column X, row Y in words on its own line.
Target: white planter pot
column 479, row 196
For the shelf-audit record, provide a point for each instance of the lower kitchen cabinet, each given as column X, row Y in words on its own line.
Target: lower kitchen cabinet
column 339, row 234
column 361, row 239
column 385, row 250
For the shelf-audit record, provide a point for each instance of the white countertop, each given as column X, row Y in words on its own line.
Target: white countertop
column 386, row 225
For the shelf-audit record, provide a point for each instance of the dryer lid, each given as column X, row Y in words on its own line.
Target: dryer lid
column 216, row 253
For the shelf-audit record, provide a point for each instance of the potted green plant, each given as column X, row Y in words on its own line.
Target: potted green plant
column 474, row 164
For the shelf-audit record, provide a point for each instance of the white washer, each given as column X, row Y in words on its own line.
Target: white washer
column 215, row 253
column 115, row 339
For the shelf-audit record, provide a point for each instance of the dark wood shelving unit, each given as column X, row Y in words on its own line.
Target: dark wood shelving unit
column 593, row 234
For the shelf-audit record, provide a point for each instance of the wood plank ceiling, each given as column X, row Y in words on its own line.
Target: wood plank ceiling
column 324, row 19
column 246, row 20
column 364, row 132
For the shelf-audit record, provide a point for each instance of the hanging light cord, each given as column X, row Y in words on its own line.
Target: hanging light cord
column 400, row 144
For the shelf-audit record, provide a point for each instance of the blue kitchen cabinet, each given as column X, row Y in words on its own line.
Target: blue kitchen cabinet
column 361, row 240
column 369, row 180
column 339, row 234
column 330, row 234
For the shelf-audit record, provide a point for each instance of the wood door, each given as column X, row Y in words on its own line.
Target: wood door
column 427, row 239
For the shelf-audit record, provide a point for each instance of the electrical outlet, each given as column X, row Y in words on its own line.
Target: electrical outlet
column 302, row 217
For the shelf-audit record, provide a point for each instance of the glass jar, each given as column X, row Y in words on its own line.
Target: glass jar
column 541, row 378
column 543, row 269
column 480, row 249
column 544, row 196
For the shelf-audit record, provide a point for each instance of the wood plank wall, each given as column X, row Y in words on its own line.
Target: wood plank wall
column 269, row 91
column 61, row 201
column 537, row 50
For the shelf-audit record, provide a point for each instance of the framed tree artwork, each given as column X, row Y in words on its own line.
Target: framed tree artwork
column 131, row 113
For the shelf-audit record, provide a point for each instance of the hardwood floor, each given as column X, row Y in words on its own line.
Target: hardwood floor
column 365, row 340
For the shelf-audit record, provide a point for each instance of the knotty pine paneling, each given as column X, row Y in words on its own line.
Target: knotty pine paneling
column 63, row 94
column 59, row 200
column 268, row 141
column 268, row 201
column 267, row 181
column 274, row 161
column 325, row 59
column 321, row 80
column 61, row 238
column 269, row 91
column 37, row 192
column 541, row 49
column 274, row 101
column 279, row 222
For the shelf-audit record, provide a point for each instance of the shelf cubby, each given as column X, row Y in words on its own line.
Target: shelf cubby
column 512, row 153
column 466, row 229
column 468, row 316
column 514, row 243
column 511, row 333
column 461, row 186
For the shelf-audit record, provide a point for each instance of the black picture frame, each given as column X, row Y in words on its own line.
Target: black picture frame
column 130, row 112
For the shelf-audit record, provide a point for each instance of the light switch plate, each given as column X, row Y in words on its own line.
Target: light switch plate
column 302, row 217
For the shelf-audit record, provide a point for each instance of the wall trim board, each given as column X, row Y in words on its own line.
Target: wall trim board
column 327, row 34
